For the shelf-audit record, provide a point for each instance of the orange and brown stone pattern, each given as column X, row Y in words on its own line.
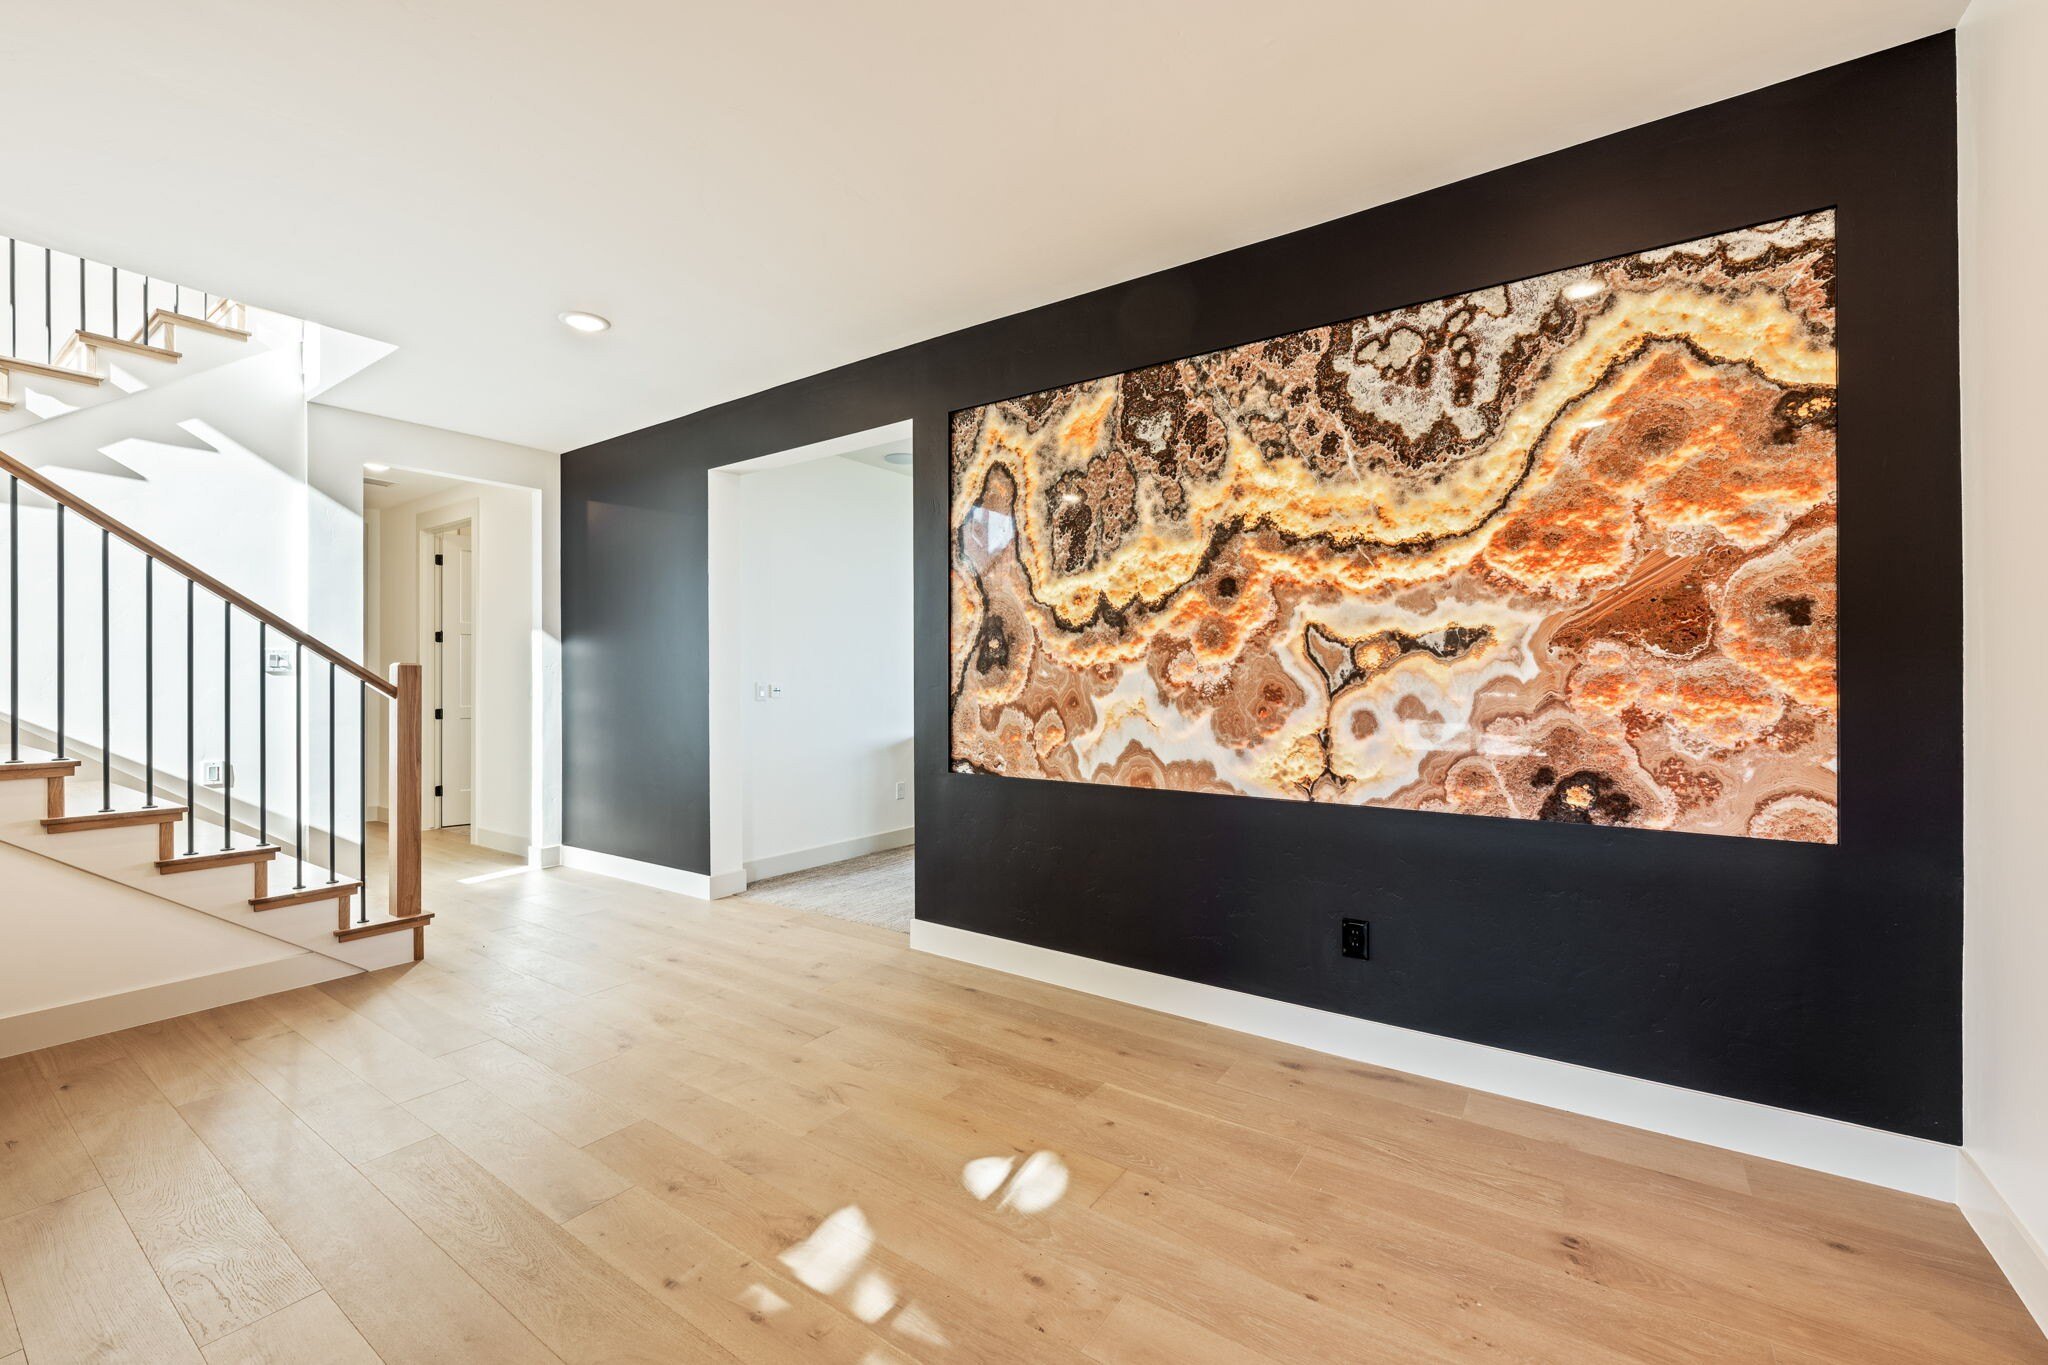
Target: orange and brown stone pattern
column 1558, row 550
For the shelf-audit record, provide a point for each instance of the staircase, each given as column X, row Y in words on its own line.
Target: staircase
column 128, row 801
column 137, row 846
column 66, row 346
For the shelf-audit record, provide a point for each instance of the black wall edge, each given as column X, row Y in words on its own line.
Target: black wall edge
column 1820, row 979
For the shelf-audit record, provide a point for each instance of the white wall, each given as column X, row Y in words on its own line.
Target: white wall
column 217, row 467
column 510, row 493
column 825, row 614
column 2003, row 50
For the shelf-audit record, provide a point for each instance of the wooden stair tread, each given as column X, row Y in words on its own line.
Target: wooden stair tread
column 100, row 340
column 382, row 926
column 114, row 819
column 163, row 317
column 230, row 857
column 8, row 362
column 38, row 767
column 329, row 891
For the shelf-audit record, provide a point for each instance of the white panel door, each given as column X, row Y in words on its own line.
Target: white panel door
column 456, row 674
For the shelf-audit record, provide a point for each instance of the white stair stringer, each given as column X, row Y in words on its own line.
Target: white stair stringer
column 88, row 956
column 127, row 855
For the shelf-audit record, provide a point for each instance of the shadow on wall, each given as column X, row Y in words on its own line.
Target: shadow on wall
column 217, row 469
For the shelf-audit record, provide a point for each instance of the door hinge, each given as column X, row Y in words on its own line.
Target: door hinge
column 437, row 637
column 437, row 789
column 437, row 559
column 437, row 713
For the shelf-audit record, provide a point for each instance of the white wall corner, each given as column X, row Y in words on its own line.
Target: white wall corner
column 1904, row 1163
column 804, row 859
column 2001, row 46
column 500, row 842
column 2005, row 1236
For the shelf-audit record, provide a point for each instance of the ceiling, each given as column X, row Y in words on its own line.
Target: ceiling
column 877, row 457
column 756, row 192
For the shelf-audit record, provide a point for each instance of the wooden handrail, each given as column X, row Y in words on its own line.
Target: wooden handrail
column 58, row 493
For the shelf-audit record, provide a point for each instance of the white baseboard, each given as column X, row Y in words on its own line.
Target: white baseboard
column 1846, row 1149
column 548, row 855
column 2005, row 1236
column 111, row 1013
column 657, row 875
column 513, row 844
column 804, row 859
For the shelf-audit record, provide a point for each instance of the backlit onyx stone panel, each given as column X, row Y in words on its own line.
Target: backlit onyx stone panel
column 1558, row 550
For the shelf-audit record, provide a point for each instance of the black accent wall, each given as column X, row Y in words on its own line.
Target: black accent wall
column 1823, row 979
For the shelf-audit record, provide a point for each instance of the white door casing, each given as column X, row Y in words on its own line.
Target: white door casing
column 455, row 674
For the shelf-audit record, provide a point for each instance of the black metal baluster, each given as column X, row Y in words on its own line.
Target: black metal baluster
column 333, row 818
column 60, row 630
column 106, row 673
column 81, row 293
column 262, row 733
column 299, row 762
column 143, row 335
column 362, row 802
column 227, row 725
column 149, row 680
column 191, row 725
column 49, row 320
column 115, row 273
column 13, row 309
column 13, row 617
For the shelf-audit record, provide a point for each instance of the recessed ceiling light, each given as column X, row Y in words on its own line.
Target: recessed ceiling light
column 1581, row 290
column 898, row 457
column 374, row 467
column 585, row 322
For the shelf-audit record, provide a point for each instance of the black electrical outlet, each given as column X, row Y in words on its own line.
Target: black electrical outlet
column 1356, row 942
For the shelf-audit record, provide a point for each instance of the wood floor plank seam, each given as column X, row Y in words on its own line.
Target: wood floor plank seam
column 481, row 1288
column 530, row 1349
column 221, row 1239
column 10, row 1337
column 339, row 1156
column 401, row 1212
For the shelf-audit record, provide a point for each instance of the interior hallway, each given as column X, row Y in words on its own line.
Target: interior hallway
column 875, row 888
column 606, row 1123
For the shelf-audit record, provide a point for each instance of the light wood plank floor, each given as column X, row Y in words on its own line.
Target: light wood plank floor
column 602, row 1123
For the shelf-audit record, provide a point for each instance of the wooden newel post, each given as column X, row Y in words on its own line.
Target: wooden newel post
column 405, row 798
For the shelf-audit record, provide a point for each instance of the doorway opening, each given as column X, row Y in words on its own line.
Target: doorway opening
column 453, row 583
column 812, row 789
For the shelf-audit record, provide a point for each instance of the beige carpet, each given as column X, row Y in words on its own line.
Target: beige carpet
column 874, row 888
